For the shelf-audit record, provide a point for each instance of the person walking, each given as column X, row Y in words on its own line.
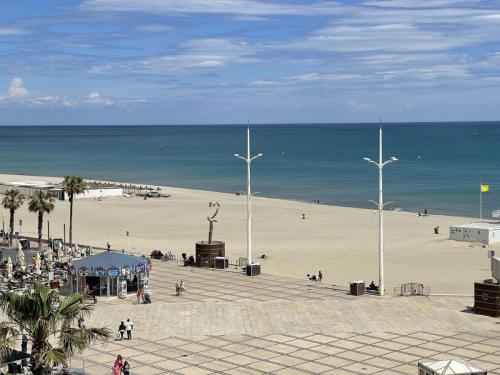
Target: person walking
column 108, row 245
column 138, row 295
column 81, row 322
column 126, row 368
column 177, row 288
column 129, row 326
column 182, row 287
column 320, row 276
column 119, row 361
column 117, row 367
column 121, row 329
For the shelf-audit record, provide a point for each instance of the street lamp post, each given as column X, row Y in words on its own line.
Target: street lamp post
column 380, row 165
column 249, row 160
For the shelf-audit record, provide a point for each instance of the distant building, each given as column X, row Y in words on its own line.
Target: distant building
column 28, row 188
column 486, row 233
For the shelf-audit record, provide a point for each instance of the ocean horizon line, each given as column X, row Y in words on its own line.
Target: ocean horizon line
column 377, row 123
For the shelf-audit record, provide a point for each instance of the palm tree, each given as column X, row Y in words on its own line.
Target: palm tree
column 7, row 339
column 40, row 203
column 48, row 321
column 72, row 185
column 12, row 200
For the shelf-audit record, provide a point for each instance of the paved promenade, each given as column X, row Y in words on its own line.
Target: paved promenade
column 229, row 323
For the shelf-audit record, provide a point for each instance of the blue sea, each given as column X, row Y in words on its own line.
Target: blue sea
column 440, row 167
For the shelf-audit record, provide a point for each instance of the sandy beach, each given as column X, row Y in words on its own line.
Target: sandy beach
column 341, row 242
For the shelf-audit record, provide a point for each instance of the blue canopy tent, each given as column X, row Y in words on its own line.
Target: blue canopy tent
column 107, row 269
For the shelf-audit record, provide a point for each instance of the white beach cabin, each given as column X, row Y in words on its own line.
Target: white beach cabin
column 448, row 367
column 487, row 233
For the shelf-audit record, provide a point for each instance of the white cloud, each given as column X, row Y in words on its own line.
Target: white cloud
column 194, row 55
column 398, row 37
column 95, row 98
column 309, row 77
column 231, row 7
column 357, row 107
column 418, row 4
column 17, row 94
column 264, row 83
column 153, row 28
column 430, row 73
column 5, row 31
column 44, row 101
column 16, row 89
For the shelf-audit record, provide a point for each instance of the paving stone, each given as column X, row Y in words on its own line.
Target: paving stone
column 382, row 362
column 290, row 371
column 267, row 367
column 362, row 368
column 284, row 349
column 240, row 359
column 169, row 364
column 308, row 355
column 335, row 361
column 194, row 371
column 286, row 360
column 313, row 367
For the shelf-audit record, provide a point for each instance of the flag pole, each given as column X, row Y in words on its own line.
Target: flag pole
column 481, row 202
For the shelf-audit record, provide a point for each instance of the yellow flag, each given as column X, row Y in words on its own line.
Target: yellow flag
column 485, row 188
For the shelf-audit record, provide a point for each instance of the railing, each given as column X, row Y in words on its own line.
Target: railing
column 412, row 289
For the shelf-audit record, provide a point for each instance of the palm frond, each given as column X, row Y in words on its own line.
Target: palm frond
column 70, row 307
column 76, row 340
column 54, row 356
column 7, row 339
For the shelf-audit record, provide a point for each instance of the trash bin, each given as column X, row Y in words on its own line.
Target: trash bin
column 357, row 287
column 253, row 269
column 221, row 262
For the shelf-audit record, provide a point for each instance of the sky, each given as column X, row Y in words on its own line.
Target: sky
column 238, row 61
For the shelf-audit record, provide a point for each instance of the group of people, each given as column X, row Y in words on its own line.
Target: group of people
column 128, row 326
column 180, row 288
column 143, row 295
column 426, row 213
column 318, row 277
column 121, row 366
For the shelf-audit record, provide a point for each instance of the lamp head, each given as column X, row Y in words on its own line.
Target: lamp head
column 393, row 158
column 367, row 159
column 259, row 155
column 236, row 155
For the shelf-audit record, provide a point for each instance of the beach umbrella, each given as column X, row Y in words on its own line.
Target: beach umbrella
column 60, row 252
column 9, row 268
column 37, row 262
column 20, row 258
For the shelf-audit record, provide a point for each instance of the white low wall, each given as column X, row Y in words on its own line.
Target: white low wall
column 96, row 193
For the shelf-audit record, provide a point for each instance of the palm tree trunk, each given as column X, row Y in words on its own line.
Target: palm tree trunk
column 40, row 226
column 71, row 220
column 12, row 211
column 36, row 365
